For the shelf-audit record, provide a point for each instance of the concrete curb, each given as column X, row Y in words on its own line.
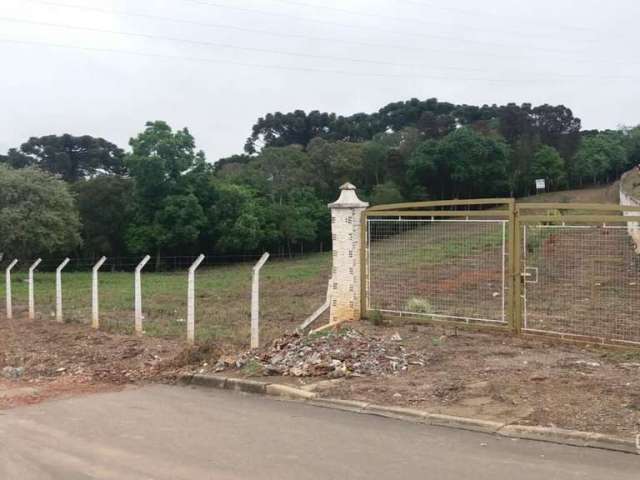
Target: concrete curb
column 524, row 432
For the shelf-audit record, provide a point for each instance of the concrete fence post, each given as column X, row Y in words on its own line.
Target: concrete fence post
column 32, row 302
column 137, row 286
column 191, row 300
column 59, row 289
column 255, row 301
column 95, row 307
column 346, row 214
column 8, row 287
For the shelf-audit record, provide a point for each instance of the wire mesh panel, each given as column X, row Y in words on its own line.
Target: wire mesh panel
column 448, row 269
column 582, row 281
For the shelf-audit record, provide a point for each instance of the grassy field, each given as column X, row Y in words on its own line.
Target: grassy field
column 290, row 290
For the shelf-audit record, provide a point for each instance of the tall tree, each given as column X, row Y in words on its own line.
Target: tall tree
column 38, row 215
column 601, row 157
column 549, row 165
column 106, row 204
column 73, row 158
column 164, row 165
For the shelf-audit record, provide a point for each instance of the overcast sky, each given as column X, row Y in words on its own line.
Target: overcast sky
column 104, row 67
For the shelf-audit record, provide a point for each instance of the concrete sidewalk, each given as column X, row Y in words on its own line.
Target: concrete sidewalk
column 162, row 432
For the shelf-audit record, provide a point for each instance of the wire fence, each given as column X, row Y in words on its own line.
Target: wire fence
column 290, row 290
column 449, row 269
column 582, row 280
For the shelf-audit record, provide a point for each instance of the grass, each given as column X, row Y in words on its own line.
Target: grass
column 434, row 244
column 290, row 290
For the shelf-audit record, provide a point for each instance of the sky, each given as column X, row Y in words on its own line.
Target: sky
column 104, row 68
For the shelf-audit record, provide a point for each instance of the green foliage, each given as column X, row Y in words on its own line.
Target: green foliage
column 38, row 215
column 73, row 158
column 385, row 193
column 600, row 157
column 548, row 164
column 163, row 196
column 419, row 305
column 105, row 204
column 376, row 318
column 164, row 165
column 463, row 164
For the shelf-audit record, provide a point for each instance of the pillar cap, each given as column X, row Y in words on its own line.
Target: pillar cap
column 348, row 198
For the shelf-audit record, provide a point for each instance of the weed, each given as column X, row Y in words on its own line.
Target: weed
column 375, row 317
column 419, row 305
column 252, row 368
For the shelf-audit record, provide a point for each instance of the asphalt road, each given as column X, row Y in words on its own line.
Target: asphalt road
column 162, row 432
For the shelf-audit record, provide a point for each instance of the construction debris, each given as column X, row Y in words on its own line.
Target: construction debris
column 335, row 355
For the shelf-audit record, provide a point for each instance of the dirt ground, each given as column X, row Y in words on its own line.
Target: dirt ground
column 440, row 369
column 492, row 376
column 73, row 359
column 522, row 380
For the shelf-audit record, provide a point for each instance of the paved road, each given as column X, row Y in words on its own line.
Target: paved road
column 163, row 432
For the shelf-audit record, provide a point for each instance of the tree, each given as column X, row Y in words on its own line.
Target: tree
column 385, row 193
column 38, row 215
column 240, row 220
column 463, row 164
column 425, row 172
column 73, row 158
column 165, row 167
column 558, row 128
column 105, row 204
column 548, row 164
column 295, row 128
column 336, row 163
column 600, row 157
column 16, row 159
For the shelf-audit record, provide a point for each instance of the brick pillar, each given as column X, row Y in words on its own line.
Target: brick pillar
column 346, row 215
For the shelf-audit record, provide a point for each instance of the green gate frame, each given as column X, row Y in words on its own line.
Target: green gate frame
column 517, row 215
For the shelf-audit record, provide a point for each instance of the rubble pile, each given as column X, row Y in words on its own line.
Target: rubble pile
column 347, row 353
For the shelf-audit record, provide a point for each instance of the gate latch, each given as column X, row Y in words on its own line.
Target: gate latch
column 529, row 274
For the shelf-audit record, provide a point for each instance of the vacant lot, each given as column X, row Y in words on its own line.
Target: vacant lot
column 290, row 290
column 493, row 376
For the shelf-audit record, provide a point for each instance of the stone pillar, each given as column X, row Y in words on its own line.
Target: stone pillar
column 346, row 214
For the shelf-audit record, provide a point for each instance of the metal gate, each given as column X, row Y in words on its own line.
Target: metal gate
column 443, row 260
column 581, row 273
column 569, row 270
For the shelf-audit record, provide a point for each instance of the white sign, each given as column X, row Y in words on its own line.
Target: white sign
column 540, row 185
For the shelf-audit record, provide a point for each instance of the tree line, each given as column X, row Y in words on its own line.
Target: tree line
column 80, row 195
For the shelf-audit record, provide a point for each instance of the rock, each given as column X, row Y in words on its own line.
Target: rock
column 587, row 364
column 12, row 372
column 396, row 337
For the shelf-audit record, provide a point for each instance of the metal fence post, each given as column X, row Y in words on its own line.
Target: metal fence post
column 255, row 301
column 59, row 289
column 137, row 286
column 32, row 303
column 8, row 288
column 95, row 310
column 191, row 300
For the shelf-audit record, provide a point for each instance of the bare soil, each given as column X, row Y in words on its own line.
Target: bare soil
column 493, row 376
column 73, row 359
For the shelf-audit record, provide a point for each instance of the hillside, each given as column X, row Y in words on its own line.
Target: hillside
column 604, row 194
